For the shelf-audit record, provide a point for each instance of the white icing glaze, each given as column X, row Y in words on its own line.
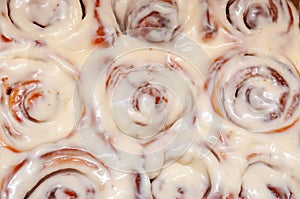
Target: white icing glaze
column 176, row 99
column 146, row 101
column 253, row 90
column 58, row 23
column 35, row 107
column 67, row 172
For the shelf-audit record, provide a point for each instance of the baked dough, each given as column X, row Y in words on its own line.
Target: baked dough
column 149, row 99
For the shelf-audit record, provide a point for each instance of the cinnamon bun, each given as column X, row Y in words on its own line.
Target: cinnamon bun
column 35, row 107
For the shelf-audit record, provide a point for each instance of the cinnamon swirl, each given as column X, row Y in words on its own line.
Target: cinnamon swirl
column 144, row 110
column 67, row 172
column 35, row 108
column 151, row 20
column 255, row 91
column 58, row 24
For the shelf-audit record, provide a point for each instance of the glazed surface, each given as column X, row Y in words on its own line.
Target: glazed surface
column 152, row 99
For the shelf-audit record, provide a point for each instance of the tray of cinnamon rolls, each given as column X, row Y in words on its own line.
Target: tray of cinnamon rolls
column 149, row 99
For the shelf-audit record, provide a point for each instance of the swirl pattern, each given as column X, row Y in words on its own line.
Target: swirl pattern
column 231, row 22
column 152, row 20
column 57, row 24
column 256, row 92
column 120, row 99
column 198, row 178
column 149, row 102
column 67, row 173
column 250, row 17
column 34, row 107
column 265, row 177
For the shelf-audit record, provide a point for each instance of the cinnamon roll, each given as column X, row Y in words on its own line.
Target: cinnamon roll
column 255, row 91
column 35, row 108
column 151, row 20
column 69, row 173
column 269, row 176
column 58, row 23
column 199, row 178
column 233, row 23
column 251, row 17
column 144, row 110
column 119, row 99
column 182, row 181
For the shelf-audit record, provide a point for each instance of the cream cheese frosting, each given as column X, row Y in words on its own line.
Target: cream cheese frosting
column 152, row 99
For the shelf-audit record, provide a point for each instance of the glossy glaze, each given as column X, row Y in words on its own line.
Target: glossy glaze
column 149, row 99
